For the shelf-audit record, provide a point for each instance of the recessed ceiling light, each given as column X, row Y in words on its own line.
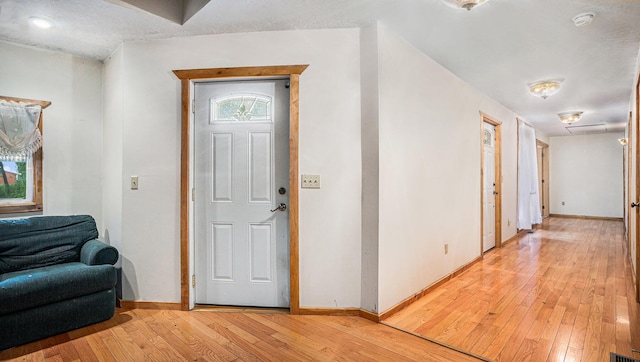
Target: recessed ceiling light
column 583, row 19
column 41, row 23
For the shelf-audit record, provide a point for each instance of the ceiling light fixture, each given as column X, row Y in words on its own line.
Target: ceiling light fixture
column 583, row 19
column 41, row 23
column 545, row 88
column 623, row 141
column 464, row 4
column 570, row 117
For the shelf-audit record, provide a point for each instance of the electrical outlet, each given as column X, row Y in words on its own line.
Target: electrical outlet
column 134, row 182
column 446, row 249
column 562, row 203
column 508, row 222
column 310, row 181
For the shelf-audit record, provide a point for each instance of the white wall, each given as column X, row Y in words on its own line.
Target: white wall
column 430, row 154
column 428, row 166
column 370, row 167
column 72, row 129
column 586, row 174
column 329, row 146
column 112, row 148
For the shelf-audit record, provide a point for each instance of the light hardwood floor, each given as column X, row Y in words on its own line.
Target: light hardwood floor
column 562, row 293
column 167, row 335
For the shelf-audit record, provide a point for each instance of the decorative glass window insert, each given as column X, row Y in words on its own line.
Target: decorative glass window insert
column 242, row 108
column 487, row 139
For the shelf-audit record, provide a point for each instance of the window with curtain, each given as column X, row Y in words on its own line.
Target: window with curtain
column 20, row 155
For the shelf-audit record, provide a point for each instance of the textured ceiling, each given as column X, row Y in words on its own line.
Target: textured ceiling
column 498, row 47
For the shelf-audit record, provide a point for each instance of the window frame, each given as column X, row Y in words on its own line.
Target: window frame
column 37, row 204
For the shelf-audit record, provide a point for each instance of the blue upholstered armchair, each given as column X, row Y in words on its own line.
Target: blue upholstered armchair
column 54, row 277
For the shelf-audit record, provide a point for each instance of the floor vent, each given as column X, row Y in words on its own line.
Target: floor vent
column 619, row 358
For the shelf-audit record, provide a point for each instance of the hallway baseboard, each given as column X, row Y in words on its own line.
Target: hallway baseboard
column 405, row 303
column 608, row 218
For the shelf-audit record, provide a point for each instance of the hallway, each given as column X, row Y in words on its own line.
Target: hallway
column 562, row 293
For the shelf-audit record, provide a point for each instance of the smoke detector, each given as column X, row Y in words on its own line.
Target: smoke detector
column 583, row 19
column 464, row 4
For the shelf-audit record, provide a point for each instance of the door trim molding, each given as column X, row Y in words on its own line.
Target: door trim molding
column 485, row 118
column 187, row 78
column 636, row 272
column 627, row 208
column 545, row 177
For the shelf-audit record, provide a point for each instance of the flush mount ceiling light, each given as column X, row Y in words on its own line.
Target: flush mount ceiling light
column 41, row 23
column 464, row 4
column 545, row 88
column 583, row 19
column 570, row 117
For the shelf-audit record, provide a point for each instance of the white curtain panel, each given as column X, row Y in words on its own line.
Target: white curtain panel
column 528, row 200
column 19, row 133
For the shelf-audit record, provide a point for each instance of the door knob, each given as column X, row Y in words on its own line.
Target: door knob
column 280, row 207
column 633, row 204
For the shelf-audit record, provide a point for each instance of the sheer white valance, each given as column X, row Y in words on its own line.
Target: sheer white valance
column 19, row 133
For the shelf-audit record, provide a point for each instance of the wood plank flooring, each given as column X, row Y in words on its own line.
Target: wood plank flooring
column 169, row 335
column 562, row 293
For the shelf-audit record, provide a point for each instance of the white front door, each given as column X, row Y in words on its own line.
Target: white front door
column 241, row 193
column 489, row 187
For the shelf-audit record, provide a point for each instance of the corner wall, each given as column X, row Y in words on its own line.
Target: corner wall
column 370, row 167
column 72, row 129
column 113, row 78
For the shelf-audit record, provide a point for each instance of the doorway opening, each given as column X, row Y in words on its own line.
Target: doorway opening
column 187, row 257
column 491, row 184
column 542, row 154
column 241, row 173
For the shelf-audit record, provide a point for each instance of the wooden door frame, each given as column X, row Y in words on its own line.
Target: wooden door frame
column 627, row 208
column 637, row 145
column 545, row 177
column 188, row 77
column 484, row 118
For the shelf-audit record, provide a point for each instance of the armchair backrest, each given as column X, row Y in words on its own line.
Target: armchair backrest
column 44, row 240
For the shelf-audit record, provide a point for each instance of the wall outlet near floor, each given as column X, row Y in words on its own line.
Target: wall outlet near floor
column 562, row 203
column 508, row 222
column 446, row 249
column 310, row 181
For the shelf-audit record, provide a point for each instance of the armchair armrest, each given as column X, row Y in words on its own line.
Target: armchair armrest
column 95, row 252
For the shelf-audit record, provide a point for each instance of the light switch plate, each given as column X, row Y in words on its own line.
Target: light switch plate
column 310, row 181
column 134, row 182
